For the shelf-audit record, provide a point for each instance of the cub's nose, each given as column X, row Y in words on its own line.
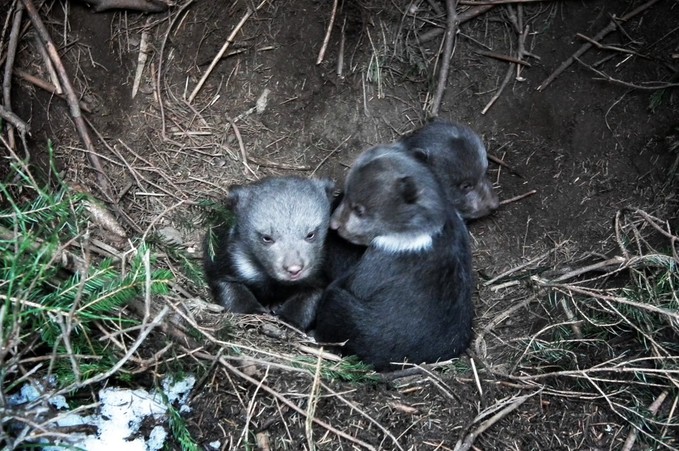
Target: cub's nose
column 492, row 201
column 294, row 270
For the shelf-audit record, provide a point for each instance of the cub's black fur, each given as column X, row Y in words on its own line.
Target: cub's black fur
column 457, row 156
column 272, row 256
column 408, row 297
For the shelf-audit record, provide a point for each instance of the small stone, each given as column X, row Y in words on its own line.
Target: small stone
column 171, row 235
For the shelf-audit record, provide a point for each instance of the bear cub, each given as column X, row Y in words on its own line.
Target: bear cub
column 272, row 256
column 457, row 156
column 409, row 295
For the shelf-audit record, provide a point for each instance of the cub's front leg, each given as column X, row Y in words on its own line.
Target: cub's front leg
column 236, row 297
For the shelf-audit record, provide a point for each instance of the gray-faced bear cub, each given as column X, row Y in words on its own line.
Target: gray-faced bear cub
column 272, row 255
column 409, row 296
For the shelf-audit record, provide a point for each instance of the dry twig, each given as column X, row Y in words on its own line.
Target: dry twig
column 148, row 6
column 292, row 405
column 144, row 50
column 130, row 352
column 54, row 77
column 466, row 16
column 159, row 72
column 510, row 405
column 517, row 198
column 605, row 77
column 501, row 57
column 499, row 2
column 520, row 267
column 516, row 22
column 598, row 37
column 326, row 39
column 243, row 153
column 6, row 112
column 453, row 22
column 221, row 52
column 15, row 120
column 652, row 409
column 71, row 98
column 46, row 86
column 332, row 152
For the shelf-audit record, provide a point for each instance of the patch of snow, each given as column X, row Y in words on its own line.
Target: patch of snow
column 121, row 413
column 156, row 438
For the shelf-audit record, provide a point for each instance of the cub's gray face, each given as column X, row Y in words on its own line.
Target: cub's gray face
column 283, row 222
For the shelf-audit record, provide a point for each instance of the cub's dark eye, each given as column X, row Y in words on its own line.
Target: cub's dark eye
column 267, row 239
column 358, row 210
column 465, row 187
column 311, row 236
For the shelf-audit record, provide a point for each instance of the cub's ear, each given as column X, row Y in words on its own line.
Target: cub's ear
column 336, row 200
column 328, row 186
column 406, row 186
column 338, row 216
column 236, row 197
column 421, row 155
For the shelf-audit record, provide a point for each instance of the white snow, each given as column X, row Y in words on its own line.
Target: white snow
column 121, row 413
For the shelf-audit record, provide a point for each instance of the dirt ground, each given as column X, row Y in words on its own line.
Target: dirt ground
column 589, row 147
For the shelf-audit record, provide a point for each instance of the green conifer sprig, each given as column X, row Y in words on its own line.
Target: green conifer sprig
column 47, row 290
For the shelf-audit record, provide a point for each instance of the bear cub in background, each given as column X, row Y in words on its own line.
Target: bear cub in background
column 272, row 255
column 408, row 297
column 458, row 158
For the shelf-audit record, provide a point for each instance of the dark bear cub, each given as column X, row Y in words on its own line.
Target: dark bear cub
column 457, row 156
column 272, row 255
column 408, row 297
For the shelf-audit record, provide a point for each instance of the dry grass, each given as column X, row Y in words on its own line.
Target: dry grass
column 610, row 331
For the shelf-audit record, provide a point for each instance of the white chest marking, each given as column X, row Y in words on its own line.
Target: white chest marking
column 245, row 267
column 403, row 242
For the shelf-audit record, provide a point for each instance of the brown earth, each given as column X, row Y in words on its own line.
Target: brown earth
column 589, row 147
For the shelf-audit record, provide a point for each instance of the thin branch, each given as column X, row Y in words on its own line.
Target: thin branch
column 71, row 98
column 499, row 2
column 598, row 37
column 326, row 39
column 512, row 66
column 609, row 47
column 453, row 22
column 292, row 405
column 606, row 77
column 15, row 120
column 47, row 86
column 501, row 57
column 161, row 105
column 128, row 355
column 520, row 267
column 7, row 80
column 221, row 52
column 243, row 152
column 519, row 197
column 468, row 441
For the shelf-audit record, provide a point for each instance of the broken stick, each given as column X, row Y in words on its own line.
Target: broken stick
column 451, row 30
column 15, row 120
column 599, row 36
column 221, row 52
column 326, row 39
column 517, row 198
column 71, row 98
column 9, row 65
